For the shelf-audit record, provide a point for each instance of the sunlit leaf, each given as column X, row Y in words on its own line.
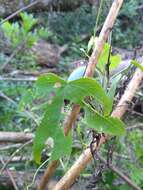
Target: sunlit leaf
column 103, row 57
column 115, row 60
column 28, row 21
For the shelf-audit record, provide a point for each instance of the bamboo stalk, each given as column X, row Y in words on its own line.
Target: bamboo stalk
column 108, row 25
column 129, row 94
column 47, row 175
column 69, row 178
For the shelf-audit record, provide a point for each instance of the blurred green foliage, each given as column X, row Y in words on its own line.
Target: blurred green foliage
column 22, row 32
column 127, row 31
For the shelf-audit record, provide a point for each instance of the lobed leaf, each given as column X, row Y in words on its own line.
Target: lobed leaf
column 49, row 127
column 75, row 91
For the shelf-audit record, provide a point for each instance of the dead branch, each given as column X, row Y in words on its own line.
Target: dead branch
column 7, row 146
column 13, row 155
column 17, row 159
column 22, row 79
column 71, row 118
column 22, row 73
column 48, row 173
column 68, row 179
column 15, row 137
column 107, row 27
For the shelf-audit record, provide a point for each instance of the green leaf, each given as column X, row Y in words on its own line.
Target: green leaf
column 108, row 125
column 115, row 60
column 49, row 127
column 27, row 99
column 28, row 21
column 103, row 57
column 62, row 144
column 49, row 82
column 137, row 64
column 137, row 175
column 78, row 89
column 118, row 127
column 31, row 38
column 91, row 43
column 7, row 29
column 75, row 91
column 44, row 33
column 112, row 90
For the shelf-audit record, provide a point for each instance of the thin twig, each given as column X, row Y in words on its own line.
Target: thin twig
column 119, row 173
column 7, row 147
column 18, row 159
column 136, row 126
column 2, row 95
column 10, row 175
column 31, row 73
column 13, row 154
column 48, row 173
column 23, row 79
column 18, row 11
column 137, row 113
column 118, row 155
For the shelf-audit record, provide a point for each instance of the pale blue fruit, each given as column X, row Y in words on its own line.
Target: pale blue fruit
column 77, row 73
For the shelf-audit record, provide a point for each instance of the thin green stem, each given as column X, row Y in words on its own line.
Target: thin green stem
column 98, row 17
column 35, row 175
